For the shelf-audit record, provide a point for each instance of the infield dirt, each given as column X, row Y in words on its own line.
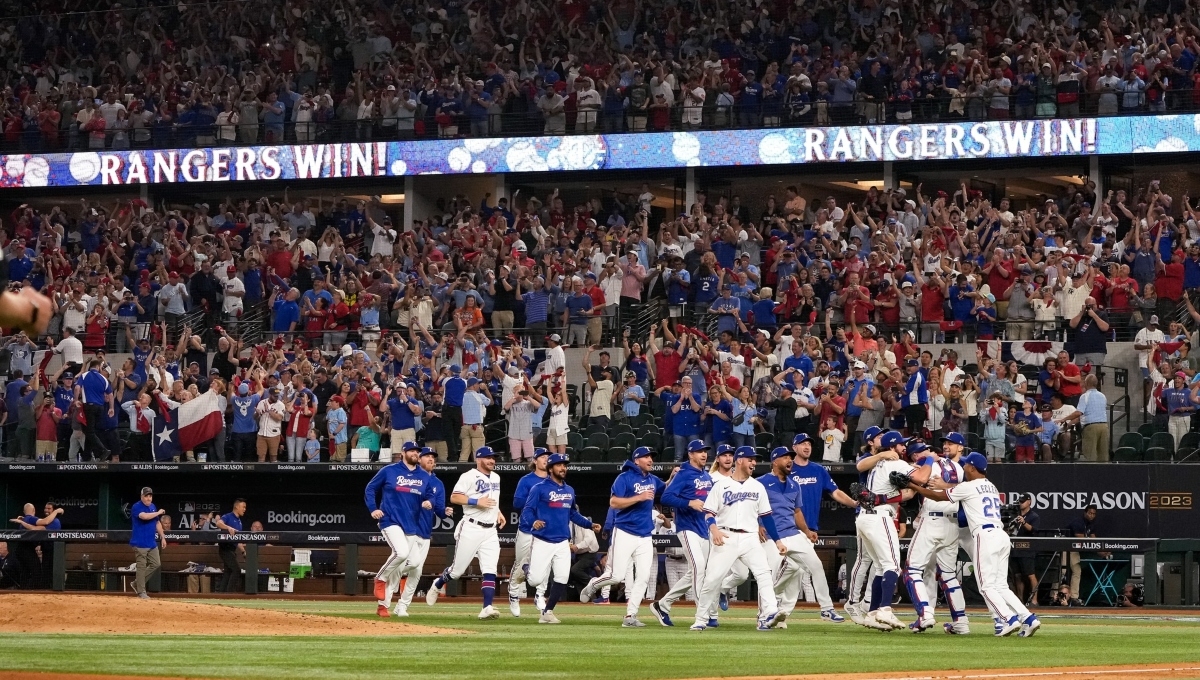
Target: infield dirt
column 116, row 614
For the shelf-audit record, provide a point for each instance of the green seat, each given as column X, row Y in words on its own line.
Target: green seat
column 1147, row 430
column 1132, row 440
column 1127, row 454
column 1190, row 440
column 599, row 440
column 764, row 440
column 540, row 440
column 764, row 454
column 591, row 454
column 1162, row 440
column 1158, row 454
column 617, row 454
column 1184, row 453
column 624, row 439
column 974, row 442
column 648, row 428
column 651, row 440
column 575, row 441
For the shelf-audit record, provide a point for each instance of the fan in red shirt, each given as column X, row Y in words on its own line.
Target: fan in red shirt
column 999, row 272
column 933, row 303
column 1170, row 278
column 666, row 360
column 858, row 301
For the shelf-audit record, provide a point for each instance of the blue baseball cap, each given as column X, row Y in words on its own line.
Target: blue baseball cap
column 697, row 445
column 411, row 446
column 724, row 448
column 974, row 459
column 243, row 389
column 455, row 369
column 641, row 452
column 744, row 452
column 872, row 432
column 557, row 458
column 427, row 451
column 471, row 382
column 890, row 439
column 915, row 447
column 539, row 451
column 800, row 439
column 780, row 452
column 485, row 452
column 955, row 438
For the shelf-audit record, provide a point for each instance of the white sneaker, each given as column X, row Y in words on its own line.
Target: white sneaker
column 432, row 596
column 957, row 628
column 922, row 624
column 1009, row 628
column 585, row 594
column 514, row 606
column 632, row 622
column 869, row 620
column 489, row 612
column 854, row 612
column 400, row 610
column 539, row 601
column 885, row 615
column 548, row 617
column 781, row 625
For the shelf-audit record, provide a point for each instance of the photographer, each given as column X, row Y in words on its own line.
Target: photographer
column 1024, row 562
column 1091, row 334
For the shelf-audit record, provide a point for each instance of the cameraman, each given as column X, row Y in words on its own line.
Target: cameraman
column 1024, row 562
column 1091, row 334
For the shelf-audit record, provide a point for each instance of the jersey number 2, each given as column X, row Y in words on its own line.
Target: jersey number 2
column 991, row 507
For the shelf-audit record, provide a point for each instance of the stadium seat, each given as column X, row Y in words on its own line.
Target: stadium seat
column 1162, row 440
column 1132, row 440
column 1147, row 430
column 1157, row 454
column 1190, row 440
column 764, row 454
column 653, row 440
column 599, row 439
column 764, row 440
column 625, row 440
column 575, row 441
column 617, row 454
column 648, row 428
column 1184, row 454
column 1127, row 454
column 591, row 454
column 540, row 439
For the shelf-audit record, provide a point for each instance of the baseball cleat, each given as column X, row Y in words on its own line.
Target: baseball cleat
column 884, row 615
column 489, row 612
column 143, row 596
column 380, row 589
column 831, row 616
column 714, row 623
column 723, row 602
column 432, row 596
column 775, row 618
column 632, row 622
column 697, row 626
column 600, row 600
column 1013, row 625
column 382, row 611
column 585, row 595
column 782, row 626
column 663, row 615
column 1032, row 623
column 958, row 628
column 548, row 617
column 922, row 624
column 400, row 611
column 870, row 621
column 539, row 601
column 854, row 612
column 514, row 606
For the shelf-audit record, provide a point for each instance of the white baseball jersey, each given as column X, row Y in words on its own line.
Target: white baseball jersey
column 716, row 475
column 474, row 484
column 737, row 505
column 950, row 473
column 878, row 480
column 980, row 502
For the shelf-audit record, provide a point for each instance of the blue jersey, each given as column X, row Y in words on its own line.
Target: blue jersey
column 429, row 518
column 244, row 421
column 404, row 490
column 689, row 484
column 454, row 388
column 637, row 519
column 232, row 520
column 814, row 481
column 145, row 531
column 402, row 415
column 786, row 499
column 554, row 504
column 524, row 486
column 63, row 397
column 94, row 387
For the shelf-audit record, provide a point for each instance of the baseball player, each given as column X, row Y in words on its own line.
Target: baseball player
column 478, row 491
column 632, row 500
column 787, row 507
column 410, row 573
column 935, row 542
column 406, row 490
column 686, row 492
column 858, row 598
column 877, row 530
column 735, row 508
column 723, row 467
column 516, row 583
column 552, row 509
column 980, row 502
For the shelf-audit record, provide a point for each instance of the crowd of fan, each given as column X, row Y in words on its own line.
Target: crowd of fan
column 800, row 298
column 109, row 75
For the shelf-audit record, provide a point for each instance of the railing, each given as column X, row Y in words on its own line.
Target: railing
column 783, row 113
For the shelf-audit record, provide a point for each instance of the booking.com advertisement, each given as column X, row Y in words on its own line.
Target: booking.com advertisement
column 720, row 148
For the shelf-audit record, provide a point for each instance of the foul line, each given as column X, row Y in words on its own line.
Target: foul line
column 1042, row 674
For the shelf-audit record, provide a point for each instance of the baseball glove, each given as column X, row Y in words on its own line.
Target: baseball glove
column 864, row 497
column 899, row 479
column 1021, row 428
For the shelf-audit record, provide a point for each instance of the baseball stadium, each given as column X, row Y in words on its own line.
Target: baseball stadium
column 646, row 339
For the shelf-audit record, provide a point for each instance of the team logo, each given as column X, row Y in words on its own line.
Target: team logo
column 731, row 497
column 409, row 485
column 560, row 500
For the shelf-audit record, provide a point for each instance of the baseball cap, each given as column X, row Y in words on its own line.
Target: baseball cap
column 744, row 452
column 428, row 451
column 780, row 452
column 471, row 382
column 859, row 364
column 243, row 389
column 917, row 447
column 890, row 439
column 974, row 459
column 411, row 446
column 347, row 350
column 869, row 327
column 697, row 445
column 955, row 438
column 872, row 432
column 800, row 439
column 539, row 451
column 67, row 376
column 1153, row 319
column 641, row 452
column 912, row 362
column 455, row 369
column 724, row 448
column 554, row 337
column 146, row 491
column 485, row 452
column 557, row 458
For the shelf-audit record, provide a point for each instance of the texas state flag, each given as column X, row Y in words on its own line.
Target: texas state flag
column 185, row 427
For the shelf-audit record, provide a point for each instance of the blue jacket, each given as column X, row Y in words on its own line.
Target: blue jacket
column 637, row 519
column 786, row 499
column 524, row 486
column 554, row 504
column 429, row 518
column 403, row 492
column 689, row 484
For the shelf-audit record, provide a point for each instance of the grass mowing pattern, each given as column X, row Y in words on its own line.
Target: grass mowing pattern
column 591, row 644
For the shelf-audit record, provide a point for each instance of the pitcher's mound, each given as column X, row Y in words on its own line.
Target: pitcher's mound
column 54, row 613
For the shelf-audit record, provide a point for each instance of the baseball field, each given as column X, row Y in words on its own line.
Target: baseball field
column 48, row 636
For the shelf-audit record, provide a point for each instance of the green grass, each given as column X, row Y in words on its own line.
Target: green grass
column 591, row 644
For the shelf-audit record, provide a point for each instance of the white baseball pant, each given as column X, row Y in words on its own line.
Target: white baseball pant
column 861, row 576
column 676, row 568
column 389, row 573
column 935, row 541
column 418, row 551
column 626, row 550
column 991, row 567
column 516, row 582
column 790, row 571
column 549, row 560
column 474, row 541
column 695, row 555
column 743, row 548
column 879, row 539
